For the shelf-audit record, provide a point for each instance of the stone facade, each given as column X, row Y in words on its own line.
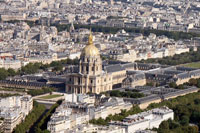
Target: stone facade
column 90, row 77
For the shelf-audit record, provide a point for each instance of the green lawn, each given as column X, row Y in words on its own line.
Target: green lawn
column 50, row 96
column 192, row 65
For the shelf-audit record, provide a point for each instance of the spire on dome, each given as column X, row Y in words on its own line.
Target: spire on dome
column 90, row 49
column 90, row 39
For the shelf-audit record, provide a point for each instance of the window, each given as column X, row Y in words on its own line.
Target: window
column 79, row 81
column 79, row 90
column 91, row 81
column 69, row 89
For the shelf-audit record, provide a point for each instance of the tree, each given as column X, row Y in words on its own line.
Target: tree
column 193, row 82
column 151, row 84
column 197, row 101
column 11, row 72
column 195, row 117
column 164, row 127
column 109, row 118
column 58, row 68
column 55, row 63
column 198, row 84
column 3, row 74
column 184, row 120
column 40, row 91
column 31, row 118
column 181, row 110
column 41, row 126
column 173, row 124
column 176, row 59
column 180, row 87
column 30, row 68
column 172, row 85
column 101, row 121
column 115, row 93
column 193, row 129
column 69, row 61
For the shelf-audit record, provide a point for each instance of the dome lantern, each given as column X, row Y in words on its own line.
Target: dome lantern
column 90, row 49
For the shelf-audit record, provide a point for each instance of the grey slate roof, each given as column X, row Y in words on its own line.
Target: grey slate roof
column 185, row 68
column 113, row 68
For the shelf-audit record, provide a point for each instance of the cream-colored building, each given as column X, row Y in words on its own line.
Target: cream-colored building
column 13, row 16
column 134, row 79
column 10, row 63
column 171, row 49
column 90, row 77
column 126, row 56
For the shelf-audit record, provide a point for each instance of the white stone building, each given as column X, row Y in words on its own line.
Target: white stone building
column 145, row 120
column 88, row 128
column 14, row 109
column 78, row 109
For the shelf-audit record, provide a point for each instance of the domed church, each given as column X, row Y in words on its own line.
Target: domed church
column 90, row 78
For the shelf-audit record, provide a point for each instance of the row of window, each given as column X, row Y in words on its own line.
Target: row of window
column 88, row 60
column 87, row 68
column 78, row 90
column 91, row 81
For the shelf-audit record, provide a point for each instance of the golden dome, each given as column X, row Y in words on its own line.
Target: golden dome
column 90, row 49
